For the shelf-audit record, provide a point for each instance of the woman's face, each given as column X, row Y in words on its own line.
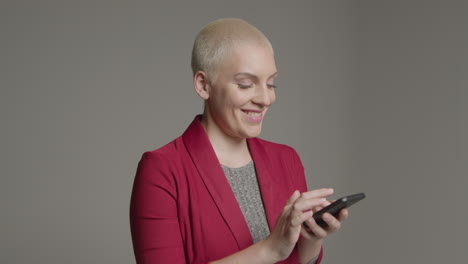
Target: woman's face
column 243, row 91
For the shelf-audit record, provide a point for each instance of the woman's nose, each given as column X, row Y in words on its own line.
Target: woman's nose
column 264, row 95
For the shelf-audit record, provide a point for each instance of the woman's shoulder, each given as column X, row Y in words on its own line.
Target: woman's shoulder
column 160, row 166
column 169, row 152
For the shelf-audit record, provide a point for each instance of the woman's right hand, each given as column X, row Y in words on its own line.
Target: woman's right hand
column 298, row 209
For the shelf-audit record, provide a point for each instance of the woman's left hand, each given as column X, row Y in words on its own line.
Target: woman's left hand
column 317, row 232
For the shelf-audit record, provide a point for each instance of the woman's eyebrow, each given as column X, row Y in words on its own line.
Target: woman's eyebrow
column 252, row 76
column 246, row 74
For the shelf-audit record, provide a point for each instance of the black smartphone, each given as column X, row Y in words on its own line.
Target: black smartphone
column 335, row 208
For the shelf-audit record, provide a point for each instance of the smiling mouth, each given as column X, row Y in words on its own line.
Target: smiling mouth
column 252, row 114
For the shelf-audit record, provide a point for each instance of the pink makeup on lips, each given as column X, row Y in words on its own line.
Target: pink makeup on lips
column 254, row 116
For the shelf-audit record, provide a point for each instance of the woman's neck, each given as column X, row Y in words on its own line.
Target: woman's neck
column 231, row 151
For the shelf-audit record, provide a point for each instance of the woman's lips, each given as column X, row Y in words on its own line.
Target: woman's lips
column 255, row 116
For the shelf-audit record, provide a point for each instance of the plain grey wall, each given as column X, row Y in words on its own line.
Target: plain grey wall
column 409, row 131
column 372, row 94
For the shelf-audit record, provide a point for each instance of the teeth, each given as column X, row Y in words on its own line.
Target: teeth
column 255, row 114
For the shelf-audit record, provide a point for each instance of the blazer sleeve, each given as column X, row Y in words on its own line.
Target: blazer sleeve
column 302, row 183
column 154, row 223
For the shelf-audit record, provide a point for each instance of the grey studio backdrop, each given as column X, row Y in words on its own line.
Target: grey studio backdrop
column 372, row 94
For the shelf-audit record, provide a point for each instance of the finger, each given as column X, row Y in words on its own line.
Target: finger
column 303, row 205
column 318, row 193
column 344, row 213
column 306, row 227
column 333, row 223
column 322, row 205
column 317, row 208
column 325, row 204
column 299, row 218
column 290, row 202
column 317, row 230
column 293, row 198
column 306, row 232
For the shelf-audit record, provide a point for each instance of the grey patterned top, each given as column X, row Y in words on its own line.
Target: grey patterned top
column 244, row 184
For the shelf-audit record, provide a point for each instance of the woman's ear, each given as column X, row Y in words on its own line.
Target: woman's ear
column 201, row 85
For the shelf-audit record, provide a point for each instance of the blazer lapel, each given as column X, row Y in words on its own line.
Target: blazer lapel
column 203, row 155
column 266, row 181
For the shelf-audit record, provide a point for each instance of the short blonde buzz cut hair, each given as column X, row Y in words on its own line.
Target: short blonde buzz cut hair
column 215, row 40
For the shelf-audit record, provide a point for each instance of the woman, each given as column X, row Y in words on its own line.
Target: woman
column 218, row 194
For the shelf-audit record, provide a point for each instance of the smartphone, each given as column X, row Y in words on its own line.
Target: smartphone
column 335, row 208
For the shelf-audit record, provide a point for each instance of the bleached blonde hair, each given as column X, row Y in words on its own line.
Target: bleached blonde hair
column 215, row 41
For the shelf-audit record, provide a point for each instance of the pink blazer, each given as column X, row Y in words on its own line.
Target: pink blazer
column 183, row 209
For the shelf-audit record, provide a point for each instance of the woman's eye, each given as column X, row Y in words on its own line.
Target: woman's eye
column 270, row 85
column 244, row 86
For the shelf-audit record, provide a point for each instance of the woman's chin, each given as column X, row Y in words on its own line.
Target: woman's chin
column 251, row 133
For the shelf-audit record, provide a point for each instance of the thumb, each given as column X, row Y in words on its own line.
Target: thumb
column 293, row 198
